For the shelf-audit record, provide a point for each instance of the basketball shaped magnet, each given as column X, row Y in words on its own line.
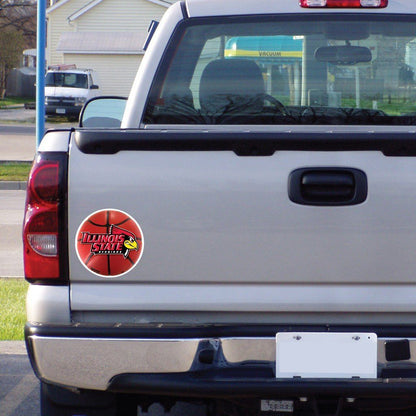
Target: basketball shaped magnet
column 109, row 243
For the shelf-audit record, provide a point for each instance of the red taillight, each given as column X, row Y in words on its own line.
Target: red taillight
column 344, row 3
column 44, row 216
column 45, row 181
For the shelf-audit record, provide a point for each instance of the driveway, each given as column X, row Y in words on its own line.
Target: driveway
column 11, row 221
column 17, row 115
column 18, row 133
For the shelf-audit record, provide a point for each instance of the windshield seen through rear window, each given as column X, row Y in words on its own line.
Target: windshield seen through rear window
column 70, row 80
column 320, row 69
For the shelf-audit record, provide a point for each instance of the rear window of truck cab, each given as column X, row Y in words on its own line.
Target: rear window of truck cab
column 332, row 69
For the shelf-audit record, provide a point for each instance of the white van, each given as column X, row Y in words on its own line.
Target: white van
column 67, row 88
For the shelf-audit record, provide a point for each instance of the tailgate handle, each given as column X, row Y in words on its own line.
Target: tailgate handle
column 328, row 186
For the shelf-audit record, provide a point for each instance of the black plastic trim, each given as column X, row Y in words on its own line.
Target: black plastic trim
column 184, row 9
column 327, row 186
column 150, row 32
column 229, row 383
column 95, row 141
column 398, row 350
column 158, row 331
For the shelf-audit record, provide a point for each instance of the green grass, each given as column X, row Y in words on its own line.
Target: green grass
column 14, row 171
column 393, row 107
column 12, row 309
column 11, row 101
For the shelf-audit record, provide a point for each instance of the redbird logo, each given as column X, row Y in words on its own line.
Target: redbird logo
column 109, row 243
column 117, row 241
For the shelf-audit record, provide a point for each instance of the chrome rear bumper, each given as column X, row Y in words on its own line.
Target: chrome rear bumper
column 95, row 362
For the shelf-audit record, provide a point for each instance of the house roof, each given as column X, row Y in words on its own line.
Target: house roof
column 122, row 43
column 83, row 10
column 164, row 3
column 56, row 5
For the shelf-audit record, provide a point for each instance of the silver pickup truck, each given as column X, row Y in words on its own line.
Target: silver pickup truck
column 243, row 239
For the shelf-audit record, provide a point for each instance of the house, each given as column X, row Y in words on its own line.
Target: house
column 104, row 35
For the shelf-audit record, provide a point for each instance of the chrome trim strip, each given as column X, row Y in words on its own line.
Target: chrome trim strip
column 91, row 363
column 278, row 297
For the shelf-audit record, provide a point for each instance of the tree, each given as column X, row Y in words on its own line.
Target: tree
column 19, row 15
column 17, row 32
column 11, row 45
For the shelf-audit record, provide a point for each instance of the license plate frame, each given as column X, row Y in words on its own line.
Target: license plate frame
column 319, row 355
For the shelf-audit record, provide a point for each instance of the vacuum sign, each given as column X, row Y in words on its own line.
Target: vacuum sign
column 287, row 47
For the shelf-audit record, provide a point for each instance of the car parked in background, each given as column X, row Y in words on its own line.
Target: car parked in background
column 67, row 89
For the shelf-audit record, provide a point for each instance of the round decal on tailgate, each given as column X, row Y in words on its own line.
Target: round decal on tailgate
column 109, row 243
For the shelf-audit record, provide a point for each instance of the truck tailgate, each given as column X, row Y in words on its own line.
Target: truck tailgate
column 220, row 231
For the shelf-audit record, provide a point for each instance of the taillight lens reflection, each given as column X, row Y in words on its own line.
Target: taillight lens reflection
column 44, row 244
column 42, row 231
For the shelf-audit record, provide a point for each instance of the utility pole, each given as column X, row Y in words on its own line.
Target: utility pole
column 40, row 71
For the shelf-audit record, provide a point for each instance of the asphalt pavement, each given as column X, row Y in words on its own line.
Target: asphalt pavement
column 17, row 143
column 19, row 388
column 11, row 220
column 18, row 133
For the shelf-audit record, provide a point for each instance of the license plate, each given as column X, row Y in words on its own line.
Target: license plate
column 326, row 355
column 283, row 406
column 60, row 111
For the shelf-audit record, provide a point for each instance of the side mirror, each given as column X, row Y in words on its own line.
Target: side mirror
column 343, row 55
column 103, row 112
column 94, row 87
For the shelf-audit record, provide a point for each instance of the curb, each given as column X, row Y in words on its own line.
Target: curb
column 13, row 185
column 13, row 107
column 3, row 162
column 13, row 348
